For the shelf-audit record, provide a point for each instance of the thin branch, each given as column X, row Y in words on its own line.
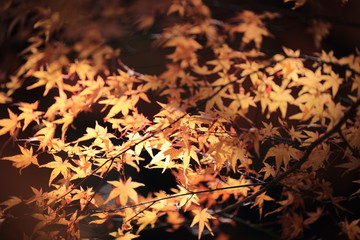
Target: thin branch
column 175, row 196
column 129, row 70
column 141, row 211
column 297, row 165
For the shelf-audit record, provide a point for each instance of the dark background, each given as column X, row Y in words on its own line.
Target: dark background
column 138, row 52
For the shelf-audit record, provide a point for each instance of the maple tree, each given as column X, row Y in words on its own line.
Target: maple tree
column 232, row 125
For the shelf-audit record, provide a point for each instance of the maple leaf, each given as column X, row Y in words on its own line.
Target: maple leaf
column 23, row 160
column 320, row 29
column 146, row 218
column 283, row 154
column 9, row 124
column 102, row 217
column 292, row 224
column 269, row 171
column 187, row 199
column 351, row 164
column 83, row 69
column 120, row 235
column 260, row 200
column 66, row 120
column 84, row 197
column 313, row 216
column 351, row 229
column 202, row 218
column 59, row 167
column 280, row 97
column 317, row 157
column 13, row 201
column 295, row 134
column 50, row 77
column 39, row 197
column 45, row 135
column 124, row 191
column 28, row 114
column 100, row 134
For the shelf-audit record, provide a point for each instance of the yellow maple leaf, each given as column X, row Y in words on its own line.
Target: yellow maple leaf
column 146, row 218
column 45, row 135
column 119, row 235
column 122, row 104
column 49, row 78
column 186, row 198
column 283, row 154
column 28, row 114
column 202, row 217
column 124, row 191
column 66, row 120
column 24, row 159
column 9, row 124
column 59, row 166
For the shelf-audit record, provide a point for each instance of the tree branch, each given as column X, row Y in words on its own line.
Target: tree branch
column 175, row 196
column 297, row 165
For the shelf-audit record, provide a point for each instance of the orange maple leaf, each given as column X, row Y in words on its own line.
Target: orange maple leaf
column 259, row 201
column 12, row 201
